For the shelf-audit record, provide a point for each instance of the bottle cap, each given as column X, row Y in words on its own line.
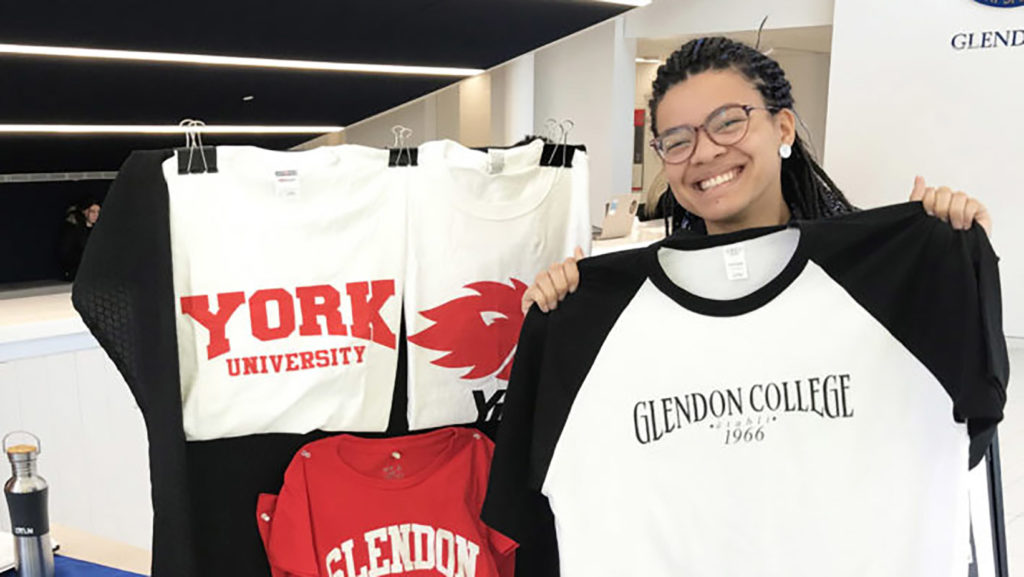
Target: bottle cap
column 22, row 451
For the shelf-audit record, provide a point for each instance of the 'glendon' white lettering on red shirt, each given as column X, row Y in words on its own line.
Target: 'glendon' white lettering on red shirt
column 313, row 303
column 398, row 549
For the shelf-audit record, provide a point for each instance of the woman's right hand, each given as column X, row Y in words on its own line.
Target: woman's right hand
column 551, row 285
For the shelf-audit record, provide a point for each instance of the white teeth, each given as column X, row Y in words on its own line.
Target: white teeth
column 718, row 180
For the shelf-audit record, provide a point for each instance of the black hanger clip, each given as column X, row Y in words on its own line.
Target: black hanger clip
column 403, row 156
column 197, row 160
column 400, row 154
column 559, row 154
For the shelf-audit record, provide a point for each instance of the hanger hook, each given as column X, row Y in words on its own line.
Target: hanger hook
column 556, row 133
column 567, row 125
column 551, row 125
column 401, row 134
column 194, row 141
column 199, row 143
column 187, row 124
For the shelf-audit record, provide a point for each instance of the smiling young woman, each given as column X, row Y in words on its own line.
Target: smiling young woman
column 722, row 115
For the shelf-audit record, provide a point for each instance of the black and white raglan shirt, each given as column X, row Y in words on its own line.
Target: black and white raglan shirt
column 793, row 401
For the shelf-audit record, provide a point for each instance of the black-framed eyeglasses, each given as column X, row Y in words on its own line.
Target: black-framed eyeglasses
column 725, row 126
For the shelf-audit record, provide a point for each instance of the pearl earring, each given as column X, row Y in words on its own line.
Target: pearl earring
column 785, row 151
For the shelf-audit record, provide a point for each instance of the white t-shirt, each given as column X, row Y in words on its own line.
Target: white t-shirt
column 288, row 277
column 481, row 226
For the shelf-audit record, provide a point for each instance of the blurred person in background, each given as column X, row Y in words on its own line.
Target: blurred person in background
column 78, row 222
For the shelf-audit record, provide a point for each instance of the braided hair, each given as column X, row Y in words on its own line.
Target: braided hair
column 806, row 188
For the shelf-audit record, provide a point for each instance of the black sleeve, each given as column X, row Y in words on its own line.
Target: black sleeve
column 514, row 506
column 982, row 405
column 555, row 354
column 124, row 294
column 937, row 291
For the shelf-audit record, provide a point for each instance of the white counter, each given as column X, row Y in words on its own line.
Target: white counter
column 39, row 322
column 642, row 235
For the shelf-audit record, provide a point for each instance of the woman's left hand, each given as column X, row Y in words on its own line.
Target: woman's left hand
column 956, row 208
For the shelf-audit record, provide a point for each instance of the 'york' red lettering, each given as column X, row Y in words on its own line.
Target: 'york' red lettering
column 198, row 307
column 366, row 320
column 258, row 316
column 314, row 303
column 330, row 301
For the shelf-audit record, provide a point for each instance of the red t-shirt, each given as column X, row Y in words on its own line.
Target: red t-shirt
column 354, row 507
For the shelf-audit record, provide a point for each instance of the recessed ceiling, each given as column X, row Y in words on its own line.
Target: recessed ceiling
column 455, row 33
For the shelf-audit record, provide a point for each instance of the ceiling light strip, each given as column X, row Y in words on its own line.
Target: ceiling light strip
column 237, row 61
column 34, row 177
column 160, row 129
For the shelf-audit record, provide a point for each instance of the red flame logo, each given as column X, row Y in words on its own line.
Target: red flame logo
column 479, row 332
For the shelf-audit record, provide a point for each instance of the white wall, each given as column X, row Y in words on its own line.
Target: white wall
column 475, row 111
column 460, row 112
column 645, row 74
column 902, row 102
column 376, row 131
column 589, row 78
column 329, row 139
column 512, row 88
column 94, row 447
column 620, row 116
column 443, row 109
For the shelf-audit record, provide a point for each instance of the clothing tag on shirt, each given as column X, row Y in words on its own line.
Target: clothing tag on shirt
column 286, row 183
column 496, row 159
column 735, row 262
column 393, row 472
